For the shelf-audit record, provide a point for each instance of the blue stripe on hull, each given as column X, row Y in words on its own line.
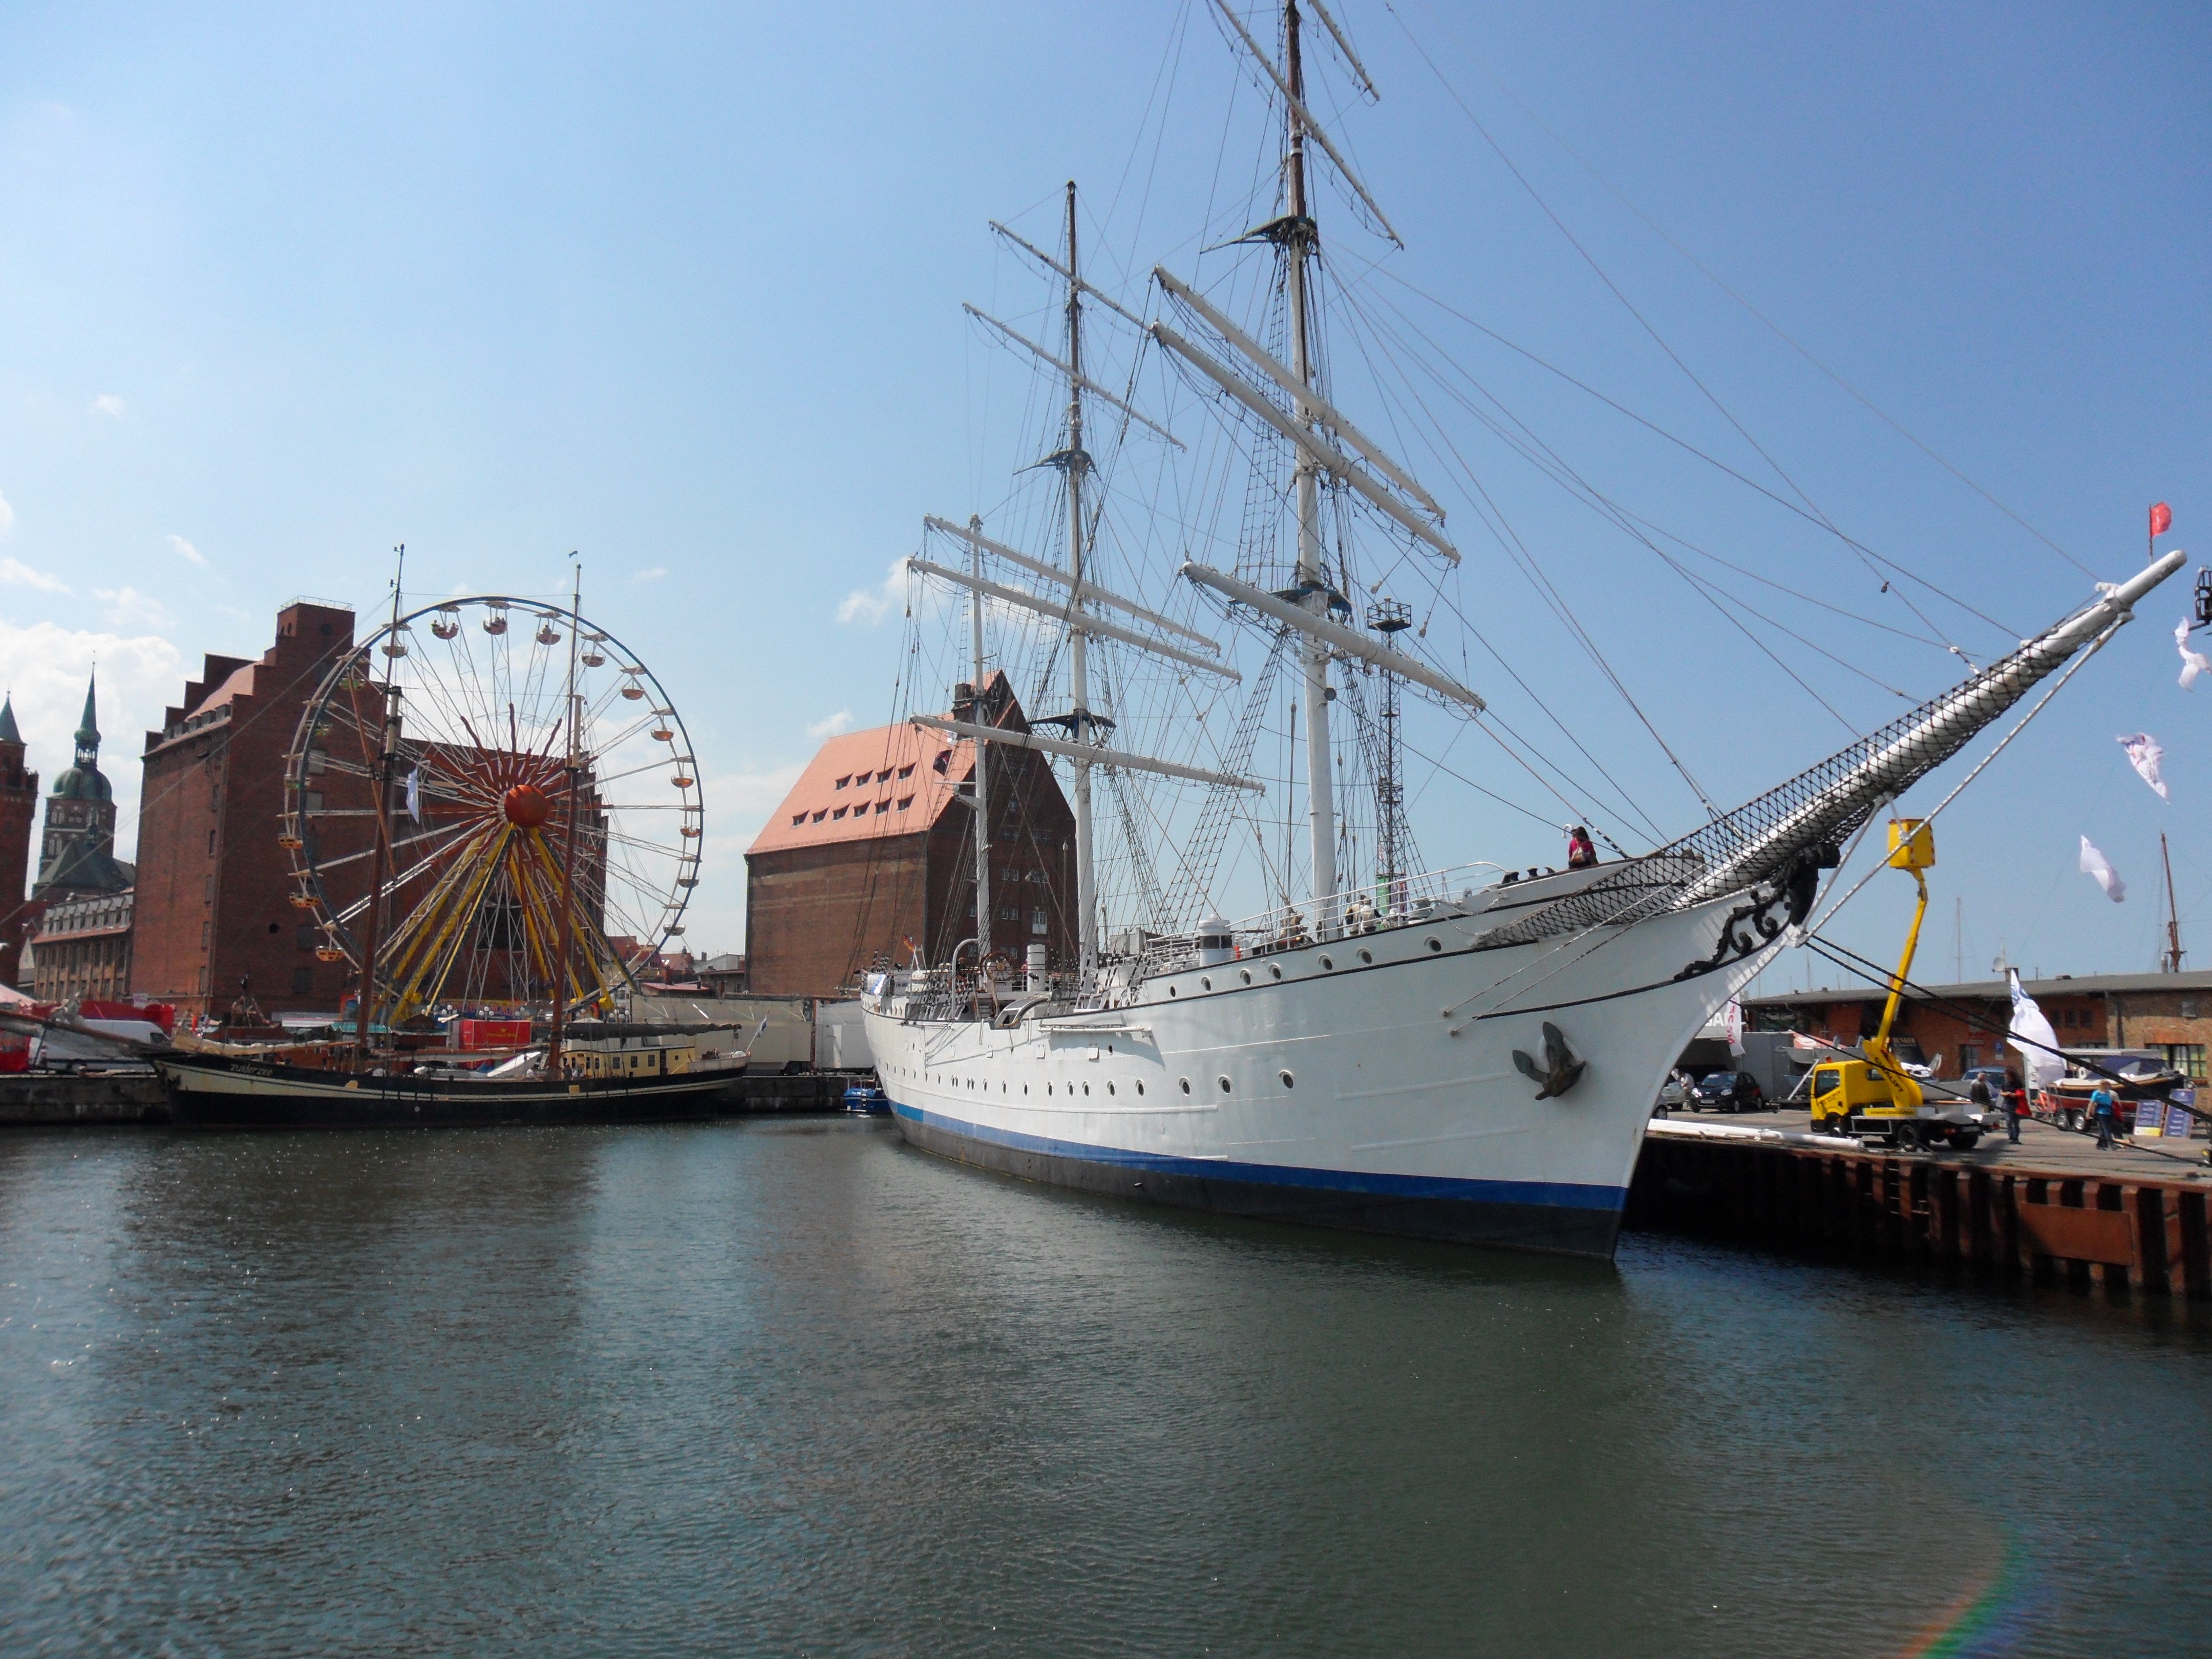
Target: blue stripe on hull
column 1560, row 1217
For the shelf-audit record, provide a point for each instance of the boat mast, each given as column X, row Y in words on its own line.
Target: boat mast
column 574, row 766
column 1077, row 463
column 983, row 779
column 2173, row 914
column 1300, row 243
column 387, row 741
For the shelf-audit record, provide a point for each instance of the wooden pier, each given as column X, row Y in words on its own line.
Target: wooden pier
column 2130, row 1222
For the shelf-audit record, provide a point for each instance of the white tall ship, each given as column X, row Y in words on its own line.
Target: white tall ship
column 1469, row 1054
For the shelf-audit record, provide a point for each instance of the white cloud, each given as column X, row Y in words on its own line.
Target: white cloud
column 840, row 722
column 17, row 575
column 47, row 666
column 187, row 552
column 109, row 404
column 7, row 520
column 652, row 575
column 864, row 605
column 127, row 606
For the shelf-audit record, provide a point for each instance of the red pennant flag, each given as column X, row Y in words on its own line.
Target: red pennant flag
column 2162, row 518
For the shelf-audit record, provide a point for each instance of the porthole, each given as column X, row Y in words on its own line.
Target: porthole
column 1186, row 1085
column 1436, row 945
column 1275, row 971
column 1325, row 964
column 1367, row 958
column 1223, row 1080
column 1109, row 1088
column 1205, row 984
column 1289, row 1082
column 1170, row 990
column 1247, row 974
column 1140, row 1088
column 1048, row 1088
column 1086, row 1091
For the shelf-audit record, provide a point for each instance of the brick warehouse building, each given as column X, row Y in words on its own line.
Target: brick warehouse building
column 19, row 811
column 213, row 909
column 872, row 848
column 2166, row 1013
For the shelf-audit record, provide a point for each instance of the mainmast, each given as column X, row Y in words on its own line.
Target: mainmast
column 1300, row 243
column 1077, row 463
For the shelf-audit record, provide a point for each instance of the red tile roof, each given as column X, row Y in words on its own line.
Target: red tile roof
column 868, row 784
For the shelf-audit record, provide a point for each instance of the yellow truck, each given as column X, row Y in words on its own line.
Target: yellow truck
column 1876, row 1097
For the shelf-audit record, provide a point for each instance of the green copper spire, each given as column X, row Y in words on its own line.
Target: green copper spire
column 87, row 730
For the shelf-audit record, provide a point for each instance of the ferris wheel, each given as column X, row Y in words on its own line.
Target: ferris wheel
column 535, row 845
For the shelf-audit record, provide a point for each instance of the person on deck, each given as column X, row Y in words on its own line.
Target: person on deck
column 2102, row 1107
column 1581, row 851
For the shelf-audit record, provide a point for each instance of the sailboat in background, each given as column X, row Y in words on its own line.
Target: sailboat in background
column 1465, row 1053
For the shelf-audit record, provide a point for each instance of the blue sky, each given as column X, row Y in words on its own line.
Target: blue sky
column 679, row 288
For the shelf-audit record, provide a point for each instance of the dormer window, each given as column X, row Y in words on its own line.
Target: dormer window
column 884, row 776
column 904, row 802
column 798, row 817
column 846, row 782
column 907, row 771
column 819, row 814
column 838, row 813
column 882, row 806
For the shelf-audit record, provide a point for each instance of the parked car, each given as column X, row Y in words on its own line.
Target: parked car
column 1673, row 1098
column 1727, row 1092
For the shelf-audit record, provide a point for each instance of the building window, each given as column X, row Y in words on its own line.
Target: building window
column 204, row 936
column 798, row 817
column 882, row 806
column 819, row 815
column 1037, row 923
column 905, row 801
column 2186, row 1058
column 846, row 782
column 303, row 980
column 1970, row 1055
column 884, row 776
column 211, row 843
column 306, row 940
column 1010, row 913
column 907, row 771
column 840, row 812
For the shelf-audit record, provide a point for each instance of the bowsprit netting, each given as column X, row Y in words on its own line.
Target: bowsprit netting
column 1786, row 831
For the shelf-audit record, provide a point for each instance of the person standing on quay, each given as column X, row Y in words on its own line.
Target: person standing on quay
column 2101, row 1108
column 2015, row 1109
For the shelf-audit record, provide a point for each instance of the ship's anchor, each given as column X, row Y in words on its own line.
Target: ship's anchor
column 1562, row 1068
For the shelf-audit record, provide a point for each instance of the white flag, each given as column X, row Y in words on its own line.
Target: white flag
column 2095, row 865
column 2144, row 755
column 2039, row 1066
column 414, row 794
column 2193, row 663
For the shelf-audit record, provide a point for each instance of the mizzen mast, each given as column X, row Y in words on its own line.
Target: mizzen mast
column 1075, row 463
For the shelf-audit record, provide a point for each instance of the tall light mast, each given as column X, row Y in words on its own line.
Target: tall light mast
column 1300, row 242
column 1077, row 463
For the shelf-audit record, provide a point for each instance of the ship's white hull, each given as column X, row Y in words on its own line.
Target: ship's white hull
column 1310, row 1085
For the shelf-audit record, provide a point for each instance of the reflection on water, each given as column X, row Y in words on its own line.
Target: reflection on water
column 792, row 1387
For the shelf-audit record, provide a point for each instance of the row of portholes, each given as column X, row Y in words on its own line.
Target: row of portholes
column 1288, row 1079
column 1275, row 968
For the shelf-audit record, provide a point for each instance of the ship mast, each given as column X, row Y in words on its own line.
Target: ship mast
column 1300, row 243
column 381, row 834
column 983, row 778
column 573, row 766
column 1076, row 464
column 2173, row 913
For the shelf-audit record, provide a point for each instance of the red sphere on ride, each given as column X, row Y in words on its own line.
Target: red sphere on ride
column 526, row 807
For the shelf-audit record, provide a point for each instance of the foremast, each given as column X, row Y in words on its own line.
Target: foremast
column 1075, row 462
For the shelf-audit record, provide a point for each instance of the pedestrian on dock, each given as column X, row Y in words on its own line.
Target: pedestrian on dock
column 2015, row 1109
column 2101, row 1107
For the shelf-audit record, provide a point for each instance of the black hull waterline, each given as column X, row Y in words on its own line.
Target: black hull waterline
column 217, row 1092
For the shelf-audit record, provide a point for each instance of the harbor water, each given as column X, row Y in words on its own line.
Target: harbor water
column 792, row 1387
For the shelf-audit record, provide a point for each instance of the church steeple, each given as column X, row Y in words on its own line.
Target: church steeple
column 88, row 729
column 8, row 731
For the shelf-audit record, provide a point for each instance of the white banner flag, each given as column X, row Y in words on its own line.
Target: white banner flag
column 2041, row 1067
column 2193, row 663
column 2144, row 754
column 2097, row 867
